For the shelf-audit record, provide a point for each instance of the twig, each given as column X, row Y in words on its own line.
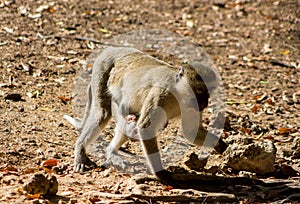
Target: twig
column 177, row 198
column 282, row 64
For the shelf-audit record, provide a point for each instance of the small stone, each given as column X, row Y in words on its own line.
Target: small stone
column 256, row 157
column 247, row 174
column 42, row 184
column 195, row 163
column 13, row 97
column 72, row 201
column 21, row 109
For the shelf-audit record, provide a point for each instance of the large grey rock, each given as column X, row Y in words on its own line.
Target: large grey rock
column 253, row 156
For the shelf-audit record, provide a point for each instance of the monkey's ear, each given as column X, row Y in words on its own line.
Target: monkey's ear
column 179, row 74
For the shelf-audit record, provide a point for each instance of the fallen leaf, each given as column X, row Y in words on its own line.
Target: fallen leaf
column 267, row 49
column 256, row 97
column 246, row 130
column 285, row 52
column 33, row 94
column 94, row 200
column 263, row 82
column 35, row 196
column 51, row 9
column 8, row 30
column 9, row 168
column 48, row 170
column 20, row 190
column 186, row 32
column 45, row 109
column 268, row 137
column 168, row 188
column 256, row 108
column 50, row 163
column 65, row 99
column 284, row 130
column 190, row 23
column 270, row 101
column 33, row 16
column 103, row 30
column 261, row 98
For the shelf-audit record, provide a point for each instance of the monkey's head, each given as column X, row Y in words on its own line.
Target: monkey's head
column 198, row 79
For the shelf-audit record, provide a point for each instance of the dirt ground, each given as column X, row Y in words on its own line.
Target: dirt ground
column 43, row 45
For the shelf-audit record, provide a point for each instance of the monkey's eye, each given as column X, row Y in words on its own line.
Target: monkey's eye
column 198, row 91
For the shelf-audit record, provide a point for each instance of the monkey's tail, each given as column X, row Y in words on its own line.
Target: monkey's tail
column 78, row 124
column 73, row 121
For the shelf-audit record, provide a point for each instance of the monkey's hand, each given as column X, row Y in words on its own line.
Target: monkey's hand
column 115, row 160
column 82, row 162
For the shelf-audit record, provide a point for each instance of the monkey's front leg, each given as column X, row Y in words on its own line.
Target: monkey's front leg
column 149, row 123
column 153, row 158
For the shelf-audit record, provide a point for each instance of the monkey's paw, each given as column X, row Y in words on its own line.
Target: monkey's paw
column 116, row 161
column 83, row 163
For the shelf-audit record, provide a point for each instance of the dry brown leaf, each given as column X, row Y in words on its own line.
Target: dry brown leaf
column 35, row 196
column 168, row 188
column 271, row 102
column 94, row 199
column 48, row 170
column 50, row 163
column 246, row 130
column 256, row 108
column 65, row 99
column 9, row 168
column 284, row 130
column 51, row 9
column 269, row 137
column 285, row 52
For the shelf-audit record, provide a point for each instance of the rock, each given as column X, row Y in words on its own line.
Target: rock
column 195, row 163
column 43, row 184
column 247, row 174
column 13, row 97
column 256, row 157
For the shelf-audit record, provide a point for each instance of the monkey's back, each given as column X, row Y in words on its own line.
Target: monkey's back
column 135, row 75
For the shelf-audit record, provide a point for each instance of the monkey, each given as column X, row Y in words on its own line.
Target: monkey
column 143, row 93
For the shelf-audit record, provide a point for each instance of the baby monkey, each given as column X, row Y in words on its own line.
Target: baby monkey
column 143, row 93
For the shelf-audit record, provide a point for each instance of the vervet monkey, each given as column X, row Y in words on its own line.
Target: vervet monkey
column 143, row 93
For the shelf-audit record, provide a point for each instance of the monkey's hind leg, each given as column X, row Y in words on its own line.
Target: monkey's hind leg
column 92, row 128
